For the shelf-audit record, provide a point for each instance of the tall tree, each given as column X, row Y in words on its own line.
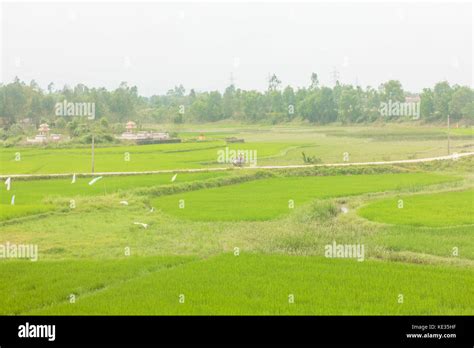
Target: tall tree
column 441, row 97
column 273, row 83
column 314, row 81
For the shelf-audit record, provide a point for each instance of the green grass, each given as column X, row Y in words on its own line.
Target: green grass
column 30, row 195
column 260, row 284
column 433, row 210
column 188, row 251
column 425, row 241
column 463, row 131
column 275, row 146
column 15, row 211
column 34, row 191
column 268, row 198
column 32, row 285
column 112, row 159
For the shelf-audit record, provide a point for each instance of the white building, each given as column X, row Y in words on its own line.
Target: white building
column 130, row 134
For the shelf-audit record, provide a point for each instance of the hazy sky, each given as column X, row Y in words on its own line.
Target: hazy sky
column 156, row 46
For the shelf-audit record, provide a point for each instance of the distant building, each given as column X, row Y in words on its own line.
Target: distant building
column 142, row 136
column 130, row 126
column 412, row 99
column 26, row 121
column 43, row 135
column 38, row 139
column 44, row 129
column 55, row 137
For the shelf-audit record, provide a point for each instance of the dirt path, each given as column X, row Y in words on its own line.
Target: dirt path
column 419, row 160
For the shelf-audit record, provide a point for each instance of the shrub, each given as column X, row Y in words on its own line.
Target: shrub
column 311, row 159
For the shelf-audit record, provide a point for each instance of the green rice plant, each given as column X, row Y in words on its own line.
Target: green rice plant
column 269, row 198
column 258, row 284
column 434, row 210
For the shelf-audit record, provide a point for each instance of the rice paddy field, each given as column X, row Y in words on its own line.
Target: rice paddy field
column 243, row 241
column 273, row 146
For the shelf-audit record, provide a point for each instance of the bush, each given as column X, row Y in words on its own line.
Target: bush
column 15, row 130
column 319, row 210
column 178, row 119
column 104, row 123
column 311, row 159
column 72, row 126
column 99, row 138
column 12, row 141
column 60, row 123
column 197, row 185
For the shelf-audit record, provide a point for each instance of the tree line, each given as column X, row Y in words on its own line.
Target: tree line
column 344, row 103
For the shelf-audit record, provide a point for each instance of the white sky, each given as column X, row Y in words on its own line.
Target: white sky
column 156, row 46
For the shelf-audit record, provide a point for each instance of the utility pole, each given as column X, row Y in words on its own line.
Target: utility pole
column 335, row 76
column 92, row 154
column 449, row 150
